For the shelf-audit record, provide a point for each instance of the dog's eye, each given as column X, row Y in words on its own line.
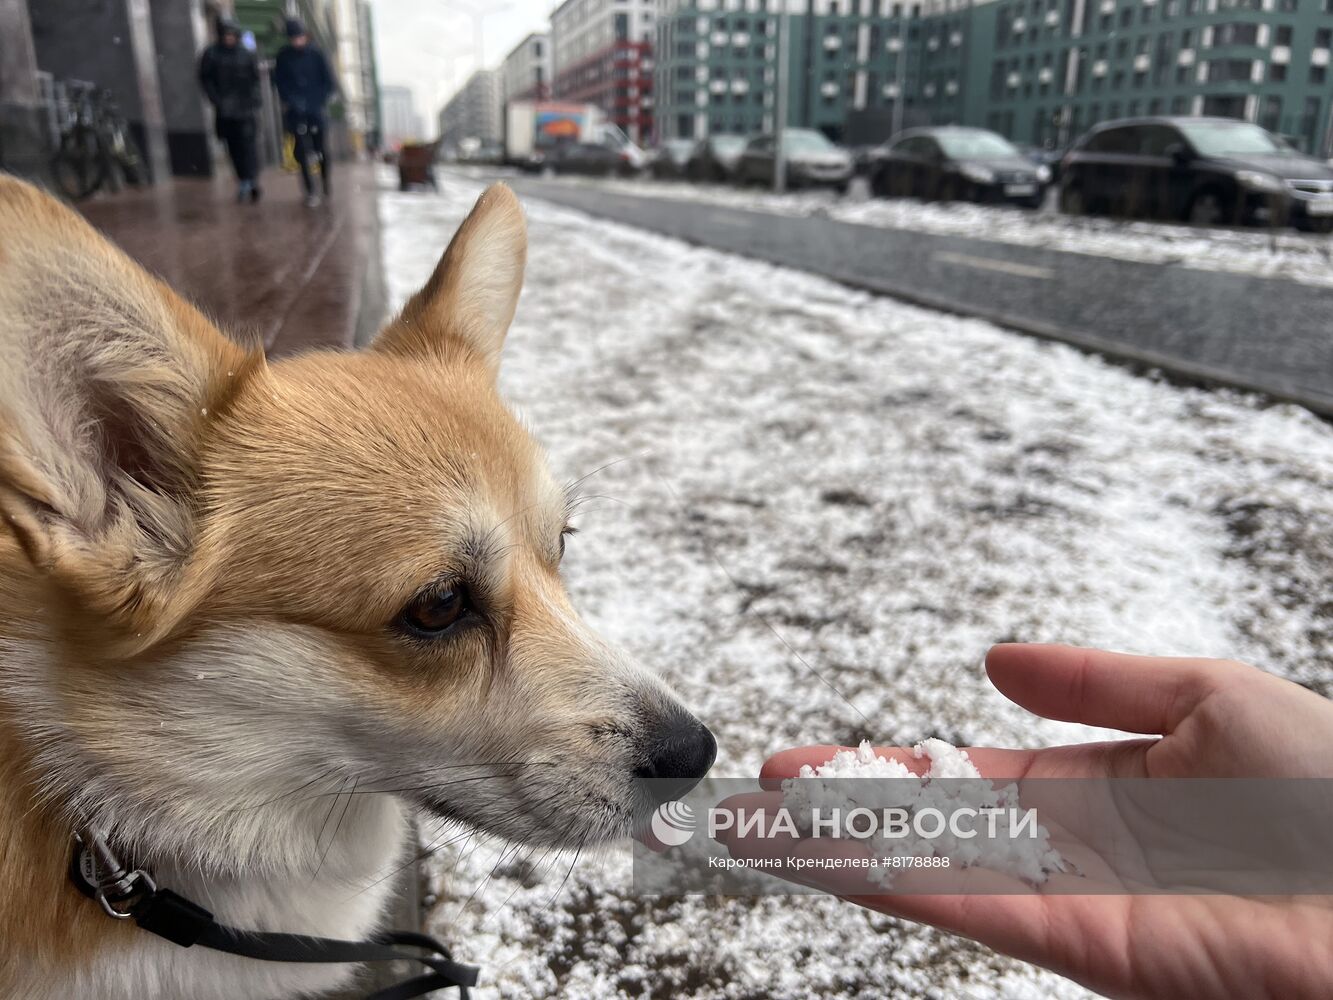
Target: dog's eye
column 565, row 532
column 435, row 612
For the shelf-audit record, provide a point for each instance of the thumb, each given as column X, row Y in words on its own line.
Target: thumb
column 1139, row 694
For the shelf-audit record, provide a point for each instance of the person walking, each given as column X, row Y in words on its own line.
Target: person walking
column 305, row 85
column 229, row 74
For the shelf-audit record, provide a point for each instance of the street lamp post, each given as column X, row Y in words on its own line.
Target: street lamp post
column 780, row 103
column 900, row 72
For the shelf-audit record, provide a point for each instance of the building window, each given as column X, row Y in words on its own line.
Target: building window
column 1283, row 35
column 1270, row 115
column 1229, row 71
column 1318, row 74
column 1323, row 37
column 1310, row 120
column 1236, row 34
column 1277, row 72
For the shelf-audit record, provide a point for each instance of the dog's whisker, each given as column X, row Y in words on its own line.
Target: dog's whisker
column 327, row 816
column 337, row 826
column 569, row 490
column 565, row 880
column 415, row 857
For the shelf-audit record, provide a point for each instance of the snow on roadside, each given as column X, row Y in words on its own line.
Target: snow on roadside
column 892, row 490
column 1294, row 256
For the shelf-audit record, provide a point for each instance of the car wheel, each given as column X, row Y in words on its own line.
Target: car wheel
column 1206, row 210
column 1320, row 225
column 1072, row 201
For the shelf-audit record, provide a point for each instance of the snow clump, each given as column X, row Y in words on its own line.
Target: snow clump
column 952, row 786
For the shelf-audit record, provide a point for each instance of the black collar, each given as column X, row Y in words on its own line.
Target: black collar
column 129, row 893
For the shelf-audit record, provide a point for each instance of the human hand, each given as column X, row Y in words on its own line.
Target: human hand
column 1218, row 719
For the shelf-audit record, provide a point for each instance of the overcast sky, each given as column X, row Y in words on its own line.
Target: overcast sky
column 428, row 44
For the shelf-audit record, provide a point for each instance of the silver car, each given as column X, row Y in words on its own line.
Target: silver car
column 812, row 160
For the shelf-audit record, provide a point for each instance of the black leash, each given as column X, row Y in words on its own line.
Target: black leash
column 133, row 895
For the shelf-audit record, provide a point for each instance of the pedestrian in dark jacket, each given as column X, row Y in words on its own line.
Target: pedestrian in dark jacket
column 229, row 74
column 305, row 85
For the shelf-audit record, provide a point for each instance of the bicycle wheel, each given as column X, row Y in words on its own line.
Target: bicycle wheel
column 78, row 168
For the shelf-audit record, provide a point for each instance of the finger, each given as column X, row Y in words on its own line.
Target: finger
column 1139, row 694
column 745, row 810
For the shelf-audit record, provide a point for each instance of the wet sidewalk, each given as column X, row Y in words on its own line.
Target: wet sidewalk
column 295, row 277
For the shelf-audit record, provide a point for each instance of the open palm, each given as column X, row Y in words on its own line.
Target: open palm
column 1218, row 719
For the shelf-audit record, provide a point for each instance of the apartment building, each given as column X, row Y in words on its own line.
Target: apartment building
column 1038, row 71
column 526, row 70
column 602, row 53
column 1053, row 67
column 399, row 121
column 476, row 111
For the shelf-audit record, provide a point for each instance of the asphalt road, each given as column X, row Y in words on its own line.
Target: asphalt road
column 1264, row 334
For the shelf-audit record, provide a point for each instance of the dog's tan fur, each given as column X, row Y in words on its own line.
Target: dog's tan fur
column 205, row 560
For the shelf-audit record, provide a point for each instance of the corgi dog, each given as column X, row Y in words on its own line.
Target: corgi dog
column 236, row 593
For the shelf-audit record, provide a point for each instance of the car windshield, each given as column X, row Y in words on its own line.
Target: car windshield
column 1227, row 139
column 805, row 141
column 974, row 145
column 728, row 145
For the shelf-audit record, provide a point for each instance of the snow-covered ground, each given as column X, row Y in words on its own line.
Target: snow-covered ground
column 889, row 490
column 1285, row 254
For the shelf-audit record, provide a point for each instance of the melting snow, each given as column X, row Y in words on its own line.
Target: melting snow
column 889, row 491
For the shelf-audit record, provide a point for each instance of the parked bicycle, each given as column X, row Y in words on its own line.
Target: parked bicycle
column 96, row 148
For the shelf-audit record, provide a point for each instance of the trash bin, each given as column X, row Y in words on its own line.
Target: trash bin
column 416, row 164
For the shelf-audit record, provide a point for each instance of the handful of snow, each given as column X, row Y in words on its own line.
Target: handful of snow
column 978, row 818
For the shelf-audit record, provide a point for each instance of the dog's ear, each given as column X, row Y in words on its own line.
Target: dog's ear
column 108, row 384
column 470, row 299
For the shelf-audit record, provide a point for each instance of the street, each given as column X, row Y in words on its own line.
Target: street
column 787, row 476
column 1222, row 317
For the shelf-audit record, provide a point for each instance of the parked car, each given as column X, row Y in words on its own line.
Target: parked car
column 716, row 158
column 957, row 164
column 1047, row 157
column 812, row 160
column 591, row 159
column 1207, row 171
column 668, row 160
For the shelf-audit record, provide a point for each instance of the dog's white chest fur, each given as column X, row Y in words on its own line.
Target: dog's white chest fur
column 345, row 901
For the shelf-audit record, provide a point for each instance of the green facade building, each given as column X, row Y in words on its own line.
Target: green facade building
column 1038, row 71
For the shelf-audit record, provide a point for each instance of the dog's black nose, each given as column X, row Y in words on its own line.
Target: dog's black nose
column 679, row 754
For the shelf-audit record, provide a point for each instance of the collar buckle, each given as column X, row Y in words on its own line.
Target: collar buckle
column 98, row 872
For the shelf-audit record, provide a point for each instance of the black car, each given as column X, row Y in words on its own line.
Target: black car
column 669, row 160
column 592, row 159
column 715, row 158
column 956, row 164
column 1206, row 171
column 811, row 159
